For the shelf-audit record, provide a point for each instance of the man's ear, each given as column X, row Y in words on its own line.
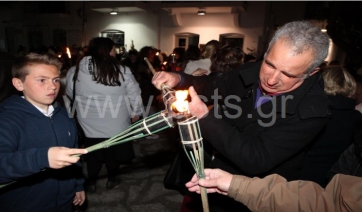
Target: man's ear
column 314, row 71
column 18, row 84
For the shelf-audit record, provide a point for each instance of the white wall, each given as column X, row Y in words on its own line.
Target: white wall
column 141, row 27
column 210, row 26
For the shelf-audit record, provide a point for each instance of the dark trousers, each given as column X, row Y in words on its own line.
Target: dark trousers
column 96, row 159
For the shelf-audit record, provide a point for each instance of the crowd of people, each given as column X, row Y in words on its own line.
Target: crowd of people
column 282, row 133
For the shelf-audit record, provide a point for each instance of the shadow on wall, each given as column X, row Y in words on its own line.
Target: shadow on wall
column 6, row 87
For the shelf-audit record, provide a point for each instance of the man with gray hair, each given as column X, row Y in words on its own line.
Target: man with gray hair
column 271, row 110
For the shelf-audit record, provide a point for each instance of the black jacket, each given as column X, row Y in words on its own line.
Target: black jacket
column 330, row 143
column 350, row 161
column 256, row 143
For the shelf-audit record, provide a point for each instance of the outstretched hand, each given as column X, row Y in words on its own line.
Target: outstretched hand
column 196, row 106
column 216, row 180
column 60, row 157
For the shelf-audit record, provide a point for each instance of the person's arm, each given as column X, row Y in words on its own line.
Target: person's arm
column 133, row 93
column 346, row 164
column 16, row 164
column 274, row 193
column 260, row 152
column 199, row 72
column 69, row 82
column 182, row 81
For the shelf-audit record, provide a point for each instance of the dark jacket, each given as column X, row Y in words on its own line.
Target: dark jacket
column 263, row 140
column 350, row 161
column 25, row 138
column 330, row 143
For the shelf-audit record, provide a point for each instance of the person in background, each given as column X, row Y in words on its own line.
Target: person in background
column 175, row 59
column 248, row 58
column 132, row 61
column 192, row 54
column 104, row 91
column 202, row 66
column 226, row 58
column 272, row 109
column 144, row 77
column 123, row 54
column 275, row 193
column 337, row 136
column 37, row 141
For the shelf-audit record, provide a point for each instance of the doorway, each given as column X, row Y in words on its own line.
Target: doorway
column 234, row 38
column 183, row 40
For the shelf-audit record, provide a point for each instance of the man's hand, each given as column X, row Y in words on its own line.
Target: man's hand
column 60, row 157
column 216, row 180
column 196, row 106
column 168, row 78
column 79, row 198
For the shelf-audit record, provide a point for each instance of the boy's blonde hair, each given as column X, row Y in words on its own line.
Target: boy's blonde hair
column 338, row 81
column 20, row 66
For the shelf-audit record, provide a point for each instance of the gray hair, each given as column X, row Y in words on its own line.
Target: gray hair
column 303, row 36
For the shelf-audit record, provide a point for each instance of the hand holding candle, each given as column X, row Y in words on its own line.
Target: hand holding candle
column 168, row 78
column 196, row 106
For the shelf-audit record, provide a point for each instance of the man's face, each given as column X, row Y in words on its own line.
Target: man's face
column 41, row 85
column 281, row 71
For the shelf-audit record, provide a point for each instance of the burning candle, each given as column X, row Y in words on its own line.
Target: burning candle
column 68, row 53
column 191, row 138
column 180, row 104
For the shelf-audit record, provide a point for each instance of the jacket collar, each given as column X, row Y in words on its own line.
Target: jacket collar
column 312, row 85
column 16, row 102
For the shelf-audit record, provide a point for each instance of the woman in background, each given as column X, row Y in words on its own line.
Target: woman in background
column 104, row 92
column 202, row 66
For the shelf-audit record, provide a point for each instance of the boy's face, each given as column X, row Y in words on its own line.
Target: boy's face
column 41, row 85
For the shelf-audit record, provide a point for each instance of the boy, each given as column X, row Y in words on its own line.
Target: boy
column 37, row 140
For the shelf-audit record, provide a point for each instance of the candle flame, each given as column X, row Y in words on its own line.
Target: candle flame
column 68, row 53
column 164, row 63
column 59, row 56
column 181, row 104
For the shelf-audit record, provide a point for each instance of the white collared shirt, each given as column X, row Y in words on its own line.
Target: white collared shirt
column 48, row 113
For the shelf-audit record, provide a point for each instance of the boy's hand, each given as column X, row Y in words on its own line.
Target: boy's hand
column 79, row 198
column 60, row 157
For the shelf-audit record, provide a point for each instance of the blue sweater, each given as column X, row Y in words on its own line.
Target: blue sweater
column 25, row 138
